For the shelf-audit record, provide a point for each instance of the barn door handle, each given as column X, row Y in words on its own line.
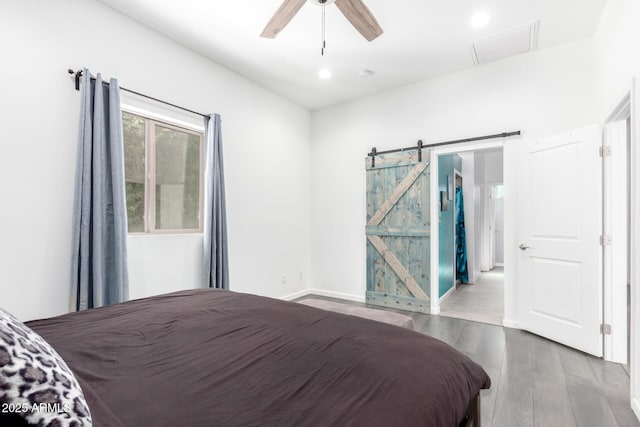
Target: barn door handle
column 523, row 247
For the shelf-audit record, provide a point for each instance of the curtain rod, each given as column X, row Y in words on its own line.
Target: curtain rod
column 420, row 145
column 78, row 75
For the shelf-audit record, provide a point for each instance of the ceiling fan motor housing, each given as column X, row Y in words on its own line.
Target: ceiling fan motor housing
column 322, row 2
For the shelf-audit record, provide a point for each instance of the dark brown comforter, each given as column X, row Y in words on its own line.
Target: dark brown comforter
column 219, row 358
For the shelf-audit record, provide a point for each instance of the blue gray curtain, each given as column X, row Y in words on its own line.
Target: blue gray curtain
column 99, row 273
column 215, row 265
column 461, row 239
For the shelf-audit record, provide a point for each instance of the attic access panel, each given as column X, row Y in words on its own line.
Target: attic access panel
column 512, row 42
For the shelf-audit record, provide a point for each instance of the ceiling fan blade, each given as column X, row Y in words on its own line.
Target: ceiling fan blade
column 281, row 18
column 360, row 17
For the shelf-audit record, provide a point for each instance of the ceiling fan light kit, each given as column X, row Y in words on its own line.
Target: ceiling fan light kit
column 355, row 11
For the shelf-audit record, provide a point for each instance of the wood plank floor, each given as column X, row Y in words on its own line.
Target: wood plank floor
column 535, row 382
column 481, row 302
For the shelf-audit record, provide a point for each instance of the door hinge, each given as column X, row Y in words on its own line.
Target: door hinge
column 605, row 329
column 605, row 240
column 605, row 151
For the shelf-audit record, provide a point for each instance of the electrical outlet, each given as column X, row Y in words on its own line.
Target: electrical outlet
column 301, row 277
column 284, row 278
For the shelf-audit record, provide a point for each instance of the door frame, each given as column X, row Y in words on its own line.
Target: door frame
column 614, row 296
column 509, row 237
column 635, row 244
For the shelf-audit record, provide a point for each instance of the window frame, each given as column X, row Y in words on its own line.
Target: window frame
column 149, row 217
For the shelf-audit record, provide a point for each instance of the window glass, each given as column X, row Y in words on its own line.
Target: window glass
column 163, row 188
column 177, row 179
column 134, row 169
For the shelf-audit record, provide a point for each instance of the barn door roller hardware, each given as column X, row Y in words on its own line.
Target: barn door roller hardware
column 420, row 145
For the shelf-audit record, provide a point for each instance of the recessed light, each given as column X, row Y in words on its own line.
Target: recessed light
column 324, row 74
column 366, row 73
column 480, row 19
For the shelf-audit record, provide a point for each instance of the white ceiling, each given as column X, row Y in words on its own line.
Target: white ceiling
column 422, row 39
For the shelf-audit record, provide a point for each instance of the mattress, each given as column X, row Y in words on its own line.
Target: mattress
column 219, row 358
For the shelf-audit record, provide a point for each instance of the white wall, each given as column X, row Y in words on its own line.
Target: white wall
column 265, row 139
column 617, row 43
column 493, row 171
column 541, row 94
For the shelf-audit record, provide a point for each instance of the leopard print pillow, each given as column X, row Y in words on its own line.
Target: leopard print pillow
column 36, row 386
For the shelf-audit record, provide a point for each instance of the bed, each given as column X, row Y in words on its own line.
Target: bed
column 220, row 358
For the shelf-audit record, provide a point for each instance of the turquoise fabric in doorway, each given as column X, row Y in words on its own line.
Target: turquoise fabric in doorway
column 447, row 165
column 461, row 239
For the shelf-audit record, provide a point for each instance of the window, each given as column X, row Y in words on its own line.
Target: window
column 163, row 175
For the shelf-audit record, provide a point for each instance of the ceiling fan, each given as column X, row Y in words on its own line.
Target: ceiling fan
column 354, row 10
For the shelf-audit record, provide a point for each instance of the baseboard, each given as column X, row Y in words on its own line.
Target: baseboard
column 339, row 295
column 434, row 309
column 323, row 293
column 449, row 292
column 295, row 295
column 635, row 405
column 508, row 323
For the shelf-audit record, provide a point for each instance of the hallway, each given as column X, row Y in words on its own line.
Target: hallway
column 480, row 302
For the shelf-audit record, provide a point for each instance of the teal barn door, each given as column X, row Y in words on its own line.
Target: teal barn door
column 397, row 231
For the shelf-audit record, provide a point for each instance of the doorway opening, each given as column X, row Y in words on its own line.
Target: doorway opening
column 471, row 235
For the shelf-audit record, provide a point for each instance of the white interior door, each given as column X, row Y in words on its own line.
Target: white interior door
column 560, row 217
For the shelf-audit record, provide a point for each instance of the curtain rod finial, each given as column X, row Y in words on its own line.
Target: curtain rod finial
column 78, row 74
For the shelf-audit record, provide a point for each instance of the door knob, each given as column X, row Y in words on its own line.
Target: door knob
column 523, row 247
